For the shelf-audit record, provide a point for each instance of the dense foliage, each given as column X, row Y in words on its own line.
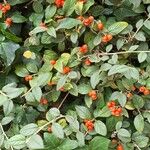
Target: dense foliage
column 75, row 74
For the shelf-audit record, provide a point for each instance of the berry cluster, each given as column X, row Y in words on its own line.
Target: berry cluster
column 5, row 7
column 144, row 90
column 106, row 38
column 89, row 124
column 43, row 101
column 83, row 49
column 28, row 78
column 88, row 21
column 93, row 95
column 59, row 3
column 115, row 110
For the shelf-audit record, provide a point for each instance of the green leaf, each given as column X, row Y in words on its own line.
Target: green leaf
column 50, row 12
column 12, row 91
column 58, row 130
column 68, row 7
column 18, row 18
column 99, row 143
column 8, row 107
column 51, row 140
column 104, row 112
column 52, row 114
column 51, row 31
column 84, row 88
column 142, row 57
column 118, row 69
column 21, row 71
column 29, row 129
column 139, row 123
column 32, row 67
column 100, row 127
column 3, row 99
column 41, row 80
column 35, row 142
column 80, row 138
column 7, row 52
column 117, row 27
column 120, row 97
column 68, row 23
column 37, row 6
column 147, row 24
column 95, row 78
column 17, row 141
column 37, row 93
column 61, row 82
column 74, row 37
column 140, row 36
column 137, row 101
column 38, row 30
column 6, row 120
column 83, row 112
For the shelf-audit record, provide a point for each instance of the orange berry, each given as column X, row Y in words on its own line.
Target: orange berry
column 146, row 92
column 86, row 22
column 80, row 18
column 92, row 93
column 66, row 70
column 53, row 62
column 51, row 83
column 87, row 62
column 7, row 7
column 94, row 97
column 119, row 110
column 100, row 26
column 142, row 89
column 114, row 141
column 43, row 101
column 120, row 147
column 28, row 78
column 104, row 39
column 4, row 10
column 1, row 6
column 62, row 89
column 91, row 18
column 109, row 37
column 83, row 49
column 8, row 22
column 129, row 95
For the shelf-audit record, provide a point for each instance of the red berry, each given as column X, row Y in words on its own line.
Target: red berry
column 91, row 18
column 7, row 7
column 87, row 62
column 146, row 92
column 53, row 62
column 28, row 78
column 59, row 3
column 66, row 70
column 4, row 10
column 120, row 147
column 92, row 93
column 109, row 37
column 8, row 22
column 1, row 6
column 100, row 26
column 43, row 101
column 83, row 49
column 142, row 89
column 104, row 39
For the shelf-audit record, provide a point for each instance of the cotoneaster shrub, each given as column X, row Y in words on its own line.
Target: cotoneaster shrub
column 75, row 74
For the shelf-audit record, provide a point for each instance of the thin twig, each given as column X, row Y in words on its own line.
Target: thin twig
column 1, row 127
column 137, row 146
column 3, row 94
column 63, row 100
column 42, row 127
column 27, row 92
column 118, row 53
column 138, row 29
